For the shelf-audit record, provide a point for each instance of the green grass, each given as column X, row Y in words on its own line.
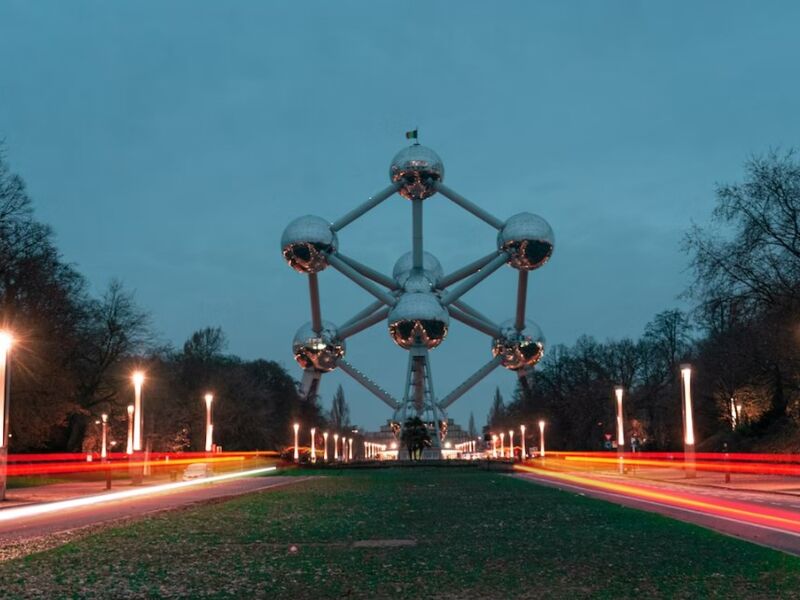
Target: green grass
column 32, row 481
column 478, row 535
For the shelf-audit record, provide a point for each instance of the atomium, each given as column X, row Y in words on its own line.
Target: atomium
column 318, row 350
column 306, row 242
column 528, row 239
column 419, row 300
column 518, row 348
column 416, row 169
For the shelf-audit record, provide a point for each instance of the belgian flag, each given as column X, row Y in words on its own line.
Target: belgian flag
column 411, row 135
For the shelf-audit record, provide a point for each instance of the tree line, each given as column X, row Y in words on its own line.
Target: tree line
column 74, row 354
column 741, row 336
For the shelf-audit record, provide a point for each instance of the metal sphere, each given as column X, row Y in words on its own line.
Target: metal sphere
column 418, row 317
column 318, row 351
column 519, row 349
column 416, row 168
column 528, row 239
column 305, row 243
column 417, row 282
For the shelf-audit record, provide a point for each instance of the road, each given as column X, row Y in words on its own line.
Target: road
column 764, row 518
column 26, row 534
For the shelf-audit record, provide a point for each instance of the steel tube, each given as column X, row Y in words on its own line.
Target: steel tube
column 487, row 328
column 416, row 235
column 369, row 272
column 365, row 207
column 359, row 326
column 468, row 206
column 348, row 271
column 522, row 295
column 363, row 314
column 470, row 283
column 316, row 313
column 373, row 387
column 471, row 381
column 466, row 271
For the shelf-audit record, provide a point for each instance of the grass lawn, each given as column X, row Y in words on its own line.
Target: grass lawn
column 478, row 535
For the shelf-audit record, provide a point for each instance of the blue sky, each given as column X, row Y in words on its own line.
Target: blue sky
column 168, row 144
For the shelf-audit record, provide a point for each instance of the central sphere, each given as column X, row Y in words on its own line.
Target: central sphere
column 519, row 349
column 424, row 281
column 418, row 317
column 305, row 243
column 318, row 351
column 416, row 168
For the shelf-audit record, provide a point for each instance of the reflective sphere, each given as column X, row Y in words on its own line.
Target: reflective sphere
column 318, row 351
column 528, row 239
column 417, row 282
column 305, row 242
column 418, row 317
column 416, row 168
column 519, row 349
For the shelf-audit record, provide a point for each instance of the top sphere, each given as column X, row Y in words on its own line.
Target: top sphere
column 416, row 168
column 528, row 239
column 305, row 243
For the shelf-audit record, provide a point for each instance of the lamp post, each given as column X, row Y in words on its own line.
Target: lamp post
column 522, row 436
column 296, row 427
column 511, row 444
column 313, row 445
column 325, row 451
column 541, row 438
column 494, row 446
column 618, row 390
column 138, row 380
column 350, row 443
column 502, row 445
column 129, row 448
column 6, row 341
column 209, row 398
column 688, row 421
column 104, row 450
column 335, row 446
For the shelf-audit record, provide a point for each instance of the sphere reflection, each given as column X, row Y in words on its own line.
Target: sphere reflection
column 318, row 351
column 519, row 349
column 305, row 243
column 418, row 317
column 528, row 239
column 416, row 168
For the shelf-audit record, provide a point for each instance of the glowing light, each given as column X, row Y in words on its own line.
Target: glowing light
column 541, row 438
column 9, row 514
column 138, row 380
column 686, row 375
column 325, row 451
column 620, row 428
column 6, row 341
column 335, row 446
column 511, row 444
column 209, row 398
column 296, row 427
column 522, row 437
column 313, row 446
column 129, row 449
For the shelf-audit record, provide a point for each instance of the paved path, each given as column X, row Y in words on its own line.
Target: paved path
column 17, row 532
column 761, row 517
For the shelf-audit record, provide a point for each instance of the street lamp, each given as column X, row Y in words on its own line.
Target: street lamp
column 104, row 445
column 325, row 452
column 129, row 448
column 502, row 445
column 138, row 380
column 350, row 443
column 688, row 421
column 511, row 444
column 522, row 435
column 541, row 438
column 209, row 398
column 618, row 390
column 296, row 427
column 6, row 341
column 313, row 446
column 335, row 446
column 494, row 445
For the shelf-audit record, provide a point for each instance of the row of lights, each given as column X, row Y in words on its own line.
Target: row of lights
column 502, row 437
column 346, row 447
